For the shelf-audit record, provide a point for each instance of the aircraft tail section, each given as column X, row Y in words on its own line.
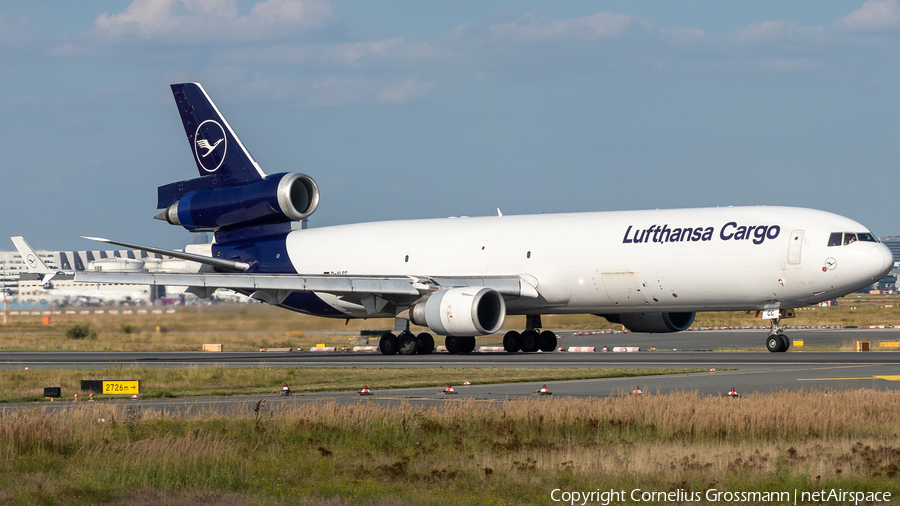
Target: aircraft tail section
column 32, row 261
column 216, row 149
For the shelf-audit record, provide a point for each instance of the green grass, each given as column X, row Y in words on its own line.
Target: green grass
column 22, row 385
column 468, row 453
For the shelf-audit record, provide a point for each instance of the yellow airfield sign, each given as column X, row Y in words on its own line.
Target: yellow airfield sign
column 122, row 387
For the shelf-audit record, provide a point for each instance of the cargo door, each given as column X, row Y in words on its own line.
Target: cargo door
column 794, row 247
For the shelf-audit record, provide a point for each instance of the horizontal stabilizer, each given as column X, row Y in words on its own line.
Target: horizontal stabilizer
column 215, row 262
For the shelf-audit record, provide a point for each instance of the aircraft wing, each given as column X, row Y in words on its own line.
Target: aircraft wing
column 274, row 288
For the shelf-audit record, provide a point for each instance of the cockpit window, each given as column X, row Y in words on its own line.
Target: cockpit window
column 835, row 239
column 867, row 237
column 849, row 238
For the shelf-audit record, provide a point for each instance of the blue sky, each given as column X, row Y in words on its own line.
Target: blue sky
column 417, row 109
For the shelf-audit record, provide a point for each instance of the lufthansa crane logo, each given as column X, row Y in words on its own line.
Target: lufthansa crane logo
column 32, row 261
column 210, row 145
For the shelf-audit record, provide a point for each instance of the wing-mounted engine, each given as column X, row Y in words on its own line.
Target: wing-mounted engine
column 277, row 198
column 656, row 323
column 463, row 311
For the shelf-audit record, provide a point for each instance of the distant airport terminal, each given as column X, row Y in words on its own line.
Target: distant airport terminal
column 23, row 287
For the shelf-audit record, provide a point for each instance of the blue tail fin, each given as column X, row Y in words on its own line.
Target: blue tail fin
column 217, row 150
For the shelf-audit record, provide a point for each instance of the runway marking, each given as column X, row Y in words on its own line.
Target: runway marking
column 887, row 378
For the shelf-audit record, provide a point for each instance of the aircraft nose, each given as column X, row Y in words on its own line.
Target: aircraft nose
column 879, row 261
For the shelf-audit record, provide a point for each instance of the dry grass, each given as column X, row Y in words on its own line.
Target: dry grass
column 247, row 327
column 22, row 385
column 511, row 452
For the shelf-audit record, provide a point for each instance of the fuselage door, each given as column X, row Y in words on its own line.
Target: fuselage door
column 794, row 247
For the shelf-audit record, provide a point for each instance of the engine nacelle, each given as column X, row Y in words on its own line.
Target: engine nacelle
column 464, row 311
column 656, row 323
column 277, row 198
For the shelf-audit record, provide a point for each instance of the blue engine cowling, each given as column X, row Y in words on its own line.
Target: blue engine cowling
column 656, row 323
column 277, row 198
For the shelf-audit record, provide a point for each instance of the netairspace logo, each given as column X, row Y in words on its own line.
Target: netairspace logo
column 607, row 497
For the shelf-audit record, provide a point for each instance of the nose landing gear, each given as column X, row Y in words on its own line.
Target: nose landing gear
column 776, row 341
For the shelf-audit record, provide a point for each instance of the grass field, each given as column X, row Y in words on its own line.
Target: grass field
column 25, row 386
column 247, row 327
column 460, row 452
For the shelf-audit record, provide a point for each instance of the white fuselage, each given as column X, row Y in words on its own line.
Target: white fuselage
column 608, row 262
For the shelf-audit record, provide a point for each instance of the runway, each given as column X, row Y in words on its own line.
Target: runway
column 745, row 380
column 694, row 349
column 746, row 371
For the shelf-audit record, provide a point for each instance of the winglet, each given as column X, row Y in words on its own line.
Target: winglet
column 32, row 261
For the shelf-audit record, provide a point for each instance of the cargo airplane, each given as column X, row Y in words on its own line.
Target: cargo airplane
column 650, row 271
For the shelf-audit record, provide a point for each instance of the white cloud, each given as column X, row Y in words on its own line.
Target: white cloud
column 13, row 33
column 335, row 90
column 534, row 27
column 411, row 89
column 683, row 36
column 777, row 30
column 873, row 15
column 791, row 64
column 393, row 51
column 210, row 20
column 351, row 52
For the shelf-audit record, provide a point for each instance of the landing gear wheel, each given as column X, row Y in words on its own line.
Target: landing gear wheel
column 775, row 344
column 548, row 341
column 531, row 341
column 467, row 344
column 408, row 343
column 512, row 341
column 786, row 342
column 453, row 344
column 426, row 344
column 388, row 344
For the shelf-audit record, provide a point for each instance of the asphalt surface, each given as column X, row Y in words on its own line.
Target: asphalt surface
column 745, row 371
column 694, row 348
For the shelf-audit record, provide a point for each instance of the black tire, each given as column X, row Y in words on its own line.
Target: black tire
column 453, row 344
column 388, row 344
column 786, row 342
column 468, row 344
column 531, row 341
column 774, row 343
column 548, row 341
column 512, row 341
column 426, row 344
column 409, row 343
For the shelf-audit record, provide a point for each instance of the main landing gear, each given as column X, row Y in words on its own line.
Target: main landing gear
column 531, row 340
column 406, row 343
column 777, row 342
column 459, row 344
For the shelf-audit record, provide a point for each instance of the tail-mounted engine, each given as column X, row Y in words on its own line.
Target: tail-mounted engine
column 656, row 323
column 277, row 198
column 465, row 311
